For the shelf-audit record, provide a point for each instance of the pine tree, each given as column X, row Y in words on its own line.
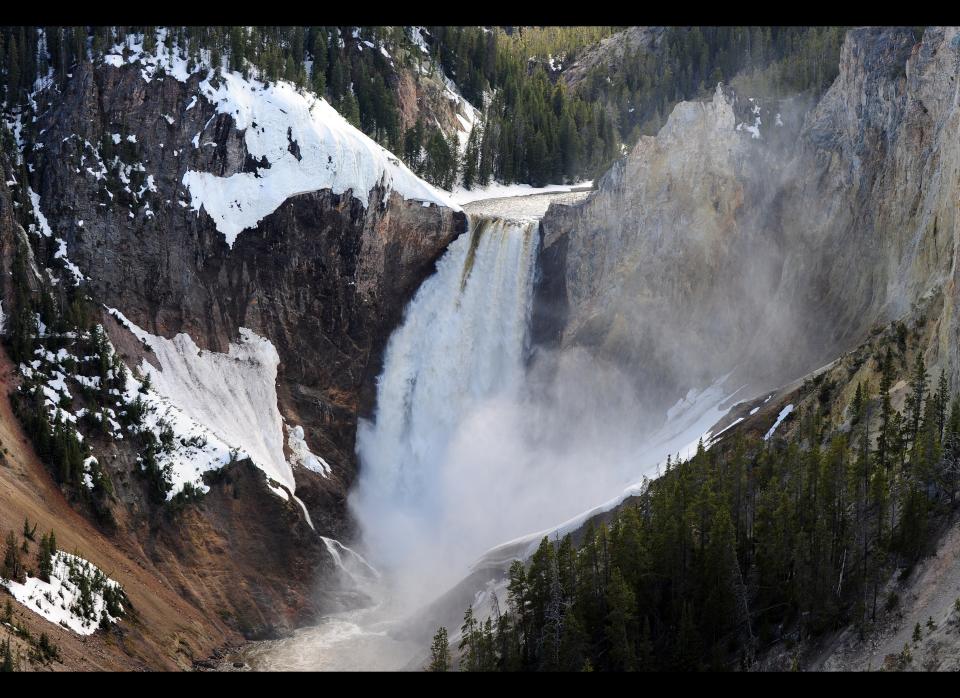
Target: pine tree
column 950, row 463
column 471, row 157
column 469, row 646
column 886, row 410
column 44, row 559
column 440, row 652
column 620, row 621
column 349, row 108
column 6, row 666
column 918, row 388
column 517, row 591
column 941, row 404
column 13, row 71
column 28, row 533
column 12, row 568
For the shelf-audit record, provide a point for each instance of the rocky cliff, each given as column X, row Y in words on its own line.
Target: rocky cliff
column 765, row 239
column 323, row 278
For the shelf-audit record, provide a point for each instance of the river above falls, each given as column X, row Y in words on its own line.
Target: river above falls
column 529, row 206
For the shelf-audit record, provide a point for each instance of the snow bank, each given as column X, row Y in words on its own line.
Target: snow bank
column 332, row 155
column 301, row 455
column 170, row 61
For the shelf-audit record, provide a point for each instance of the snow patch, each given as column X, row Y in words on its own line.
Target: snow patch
column 780, row 417
column 60, row 600
column 232, row 397
column 300, row 454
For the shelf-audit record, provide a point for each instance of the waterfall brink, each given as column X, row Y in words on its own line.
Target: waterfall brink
column 463, row 341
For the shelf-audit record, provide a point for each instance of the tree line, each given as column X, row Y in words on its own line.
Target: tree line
column 641, row 89
column 532, row 132
column 743, row 546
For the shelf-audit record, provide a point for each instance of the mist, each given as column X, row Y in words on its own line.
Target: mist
column 475, row 442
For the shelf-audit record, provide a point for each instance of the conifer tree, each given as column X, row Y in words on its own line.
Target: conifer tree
column 44, row 559
column 918, row 388
column 7, row 665
column 440, row 651
column 469, row 646
column 12, row 568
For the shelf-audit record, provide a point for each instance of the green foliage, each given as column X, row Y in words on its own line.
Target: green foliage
column 45, row 650
column 187, row 495
column 12, row 567
column 90, row 583
column 643, row 86
column 775, row 540
column 7, row 664
column 28, row 533
column 533, row 129
column 157, row 476
column 440, row 652
column 45, row 559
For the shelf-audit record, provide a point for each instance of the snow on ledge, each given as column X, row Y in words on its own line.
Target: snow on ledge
column 300, row 454
column 332, row 155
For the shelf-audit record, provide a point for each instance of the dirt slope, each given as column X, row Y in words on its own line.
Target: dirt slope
column 163, row 632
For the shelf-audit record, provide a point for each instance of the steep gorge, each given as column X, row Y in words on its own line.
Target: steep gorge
column 707, row 254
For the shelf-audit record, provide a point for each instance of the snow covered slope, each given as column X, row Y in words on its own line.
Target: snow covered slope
column 307, row 144
column 309, row 147
column 73, row 598
column 225, row 401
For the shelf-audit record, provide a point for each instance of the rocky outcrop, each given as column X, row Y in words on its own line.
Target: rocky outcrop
column 707, row 250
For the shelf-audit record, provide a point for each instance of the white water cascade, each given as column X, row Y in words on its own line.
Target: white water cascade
column 463, row 342
column 471, row 445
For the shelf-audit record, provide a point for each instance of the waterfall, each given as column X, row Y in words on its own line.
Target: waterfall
column 350, row 562
column 463, row 341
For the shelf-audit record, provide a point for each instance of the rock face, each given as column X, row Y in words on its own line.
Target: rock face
column 322, row 277
column 707, row 250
